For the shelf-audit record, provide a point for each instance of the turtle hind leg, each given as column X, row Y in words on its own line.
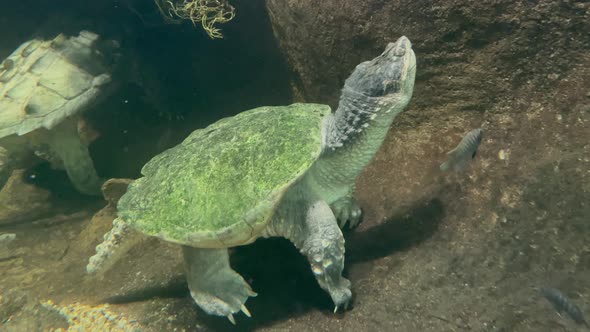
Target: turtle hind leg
column 65, row 142
column 214, row 285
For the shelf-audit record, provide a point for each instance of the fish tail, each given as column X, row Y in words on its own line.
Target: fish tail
column 452, row 156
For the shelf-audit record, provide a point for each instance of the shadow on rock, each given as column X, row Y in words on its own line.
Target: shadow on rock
column 282, row 278
column 175, row 288
column 395, row 234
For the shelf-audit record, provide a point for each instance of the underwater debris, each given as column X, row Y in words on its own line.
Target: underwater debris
column 561, row 303
column 81, row 317
column 459, row 157
column 207, row 12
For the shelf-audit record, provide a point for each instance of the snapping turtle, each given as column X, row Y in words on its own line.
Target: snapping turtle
column 44, row 87
column 271, row 171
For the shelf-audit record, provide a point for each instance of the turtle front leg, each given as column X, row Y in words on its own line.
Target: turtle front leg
column 321, row 241
column 65, row 142
column 346, row 210
column 214, row 285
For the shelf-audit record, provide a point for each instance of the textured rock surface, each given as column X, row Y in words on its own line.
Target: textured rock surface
column 22, row 201
column 472, row 255
column 469, row 53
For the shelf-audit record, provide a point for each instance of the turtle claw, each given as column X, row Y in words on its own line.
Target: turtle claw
column 246, row 311
column 218, row 290
column 343, row 305
column 346, row 211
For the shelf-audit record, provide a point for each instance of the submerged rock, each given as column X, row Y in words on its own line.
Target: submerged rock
column 21, row 201
column 468, row 52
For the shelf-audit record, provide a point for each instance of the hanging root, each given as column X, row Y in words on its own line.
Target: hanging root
column 207, row 12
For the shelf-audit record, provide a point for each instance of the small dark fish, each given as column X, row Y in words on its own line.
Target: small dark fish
column 561, row 303
column 459, row 157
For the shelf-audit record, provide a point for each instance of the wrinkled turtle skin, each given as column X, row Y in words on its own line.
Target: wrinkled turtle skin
column 285, row 171
column 44, row 88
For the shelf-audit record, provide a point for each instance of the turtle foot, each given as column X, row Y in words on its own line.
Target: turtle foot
column 324, row 248
column 327, row 263
column 346, row 211
column 228, row 299
column 214, row 286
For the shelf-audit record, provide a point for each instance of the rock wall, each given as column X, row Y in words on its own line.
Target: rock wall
column 470, row 53
column 518, row 69
column 517, row 219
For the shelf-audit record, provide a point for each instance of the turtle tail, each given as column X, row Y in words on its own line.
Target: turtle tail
column 118, row 241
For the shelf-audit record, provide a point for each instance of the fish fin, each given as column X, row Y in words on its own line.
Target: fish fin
column 452, row 153
column 445, row 166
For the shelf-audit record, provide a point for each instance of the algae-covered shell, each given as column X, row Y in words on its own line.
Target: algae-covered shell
column 220, row 186
column 44, row 82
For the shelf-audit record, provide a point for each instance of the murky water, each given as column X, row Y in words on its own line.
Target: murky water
column 99, row 89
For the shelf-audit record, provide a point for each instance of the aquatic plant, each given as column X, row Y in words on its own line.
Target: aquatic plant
column 207, row 12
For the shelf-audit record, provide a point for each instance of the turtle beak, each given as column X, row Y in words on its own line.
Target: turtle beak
column 382, row 76
column 401, row 52
column 401, row 63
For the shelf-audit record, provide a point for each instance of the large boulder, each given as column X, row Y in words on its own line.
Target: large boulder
column 469, row 53
column 518, row 69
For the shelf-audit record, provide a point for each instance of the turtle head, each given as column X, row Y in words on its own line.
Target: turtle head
column 387, row 75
